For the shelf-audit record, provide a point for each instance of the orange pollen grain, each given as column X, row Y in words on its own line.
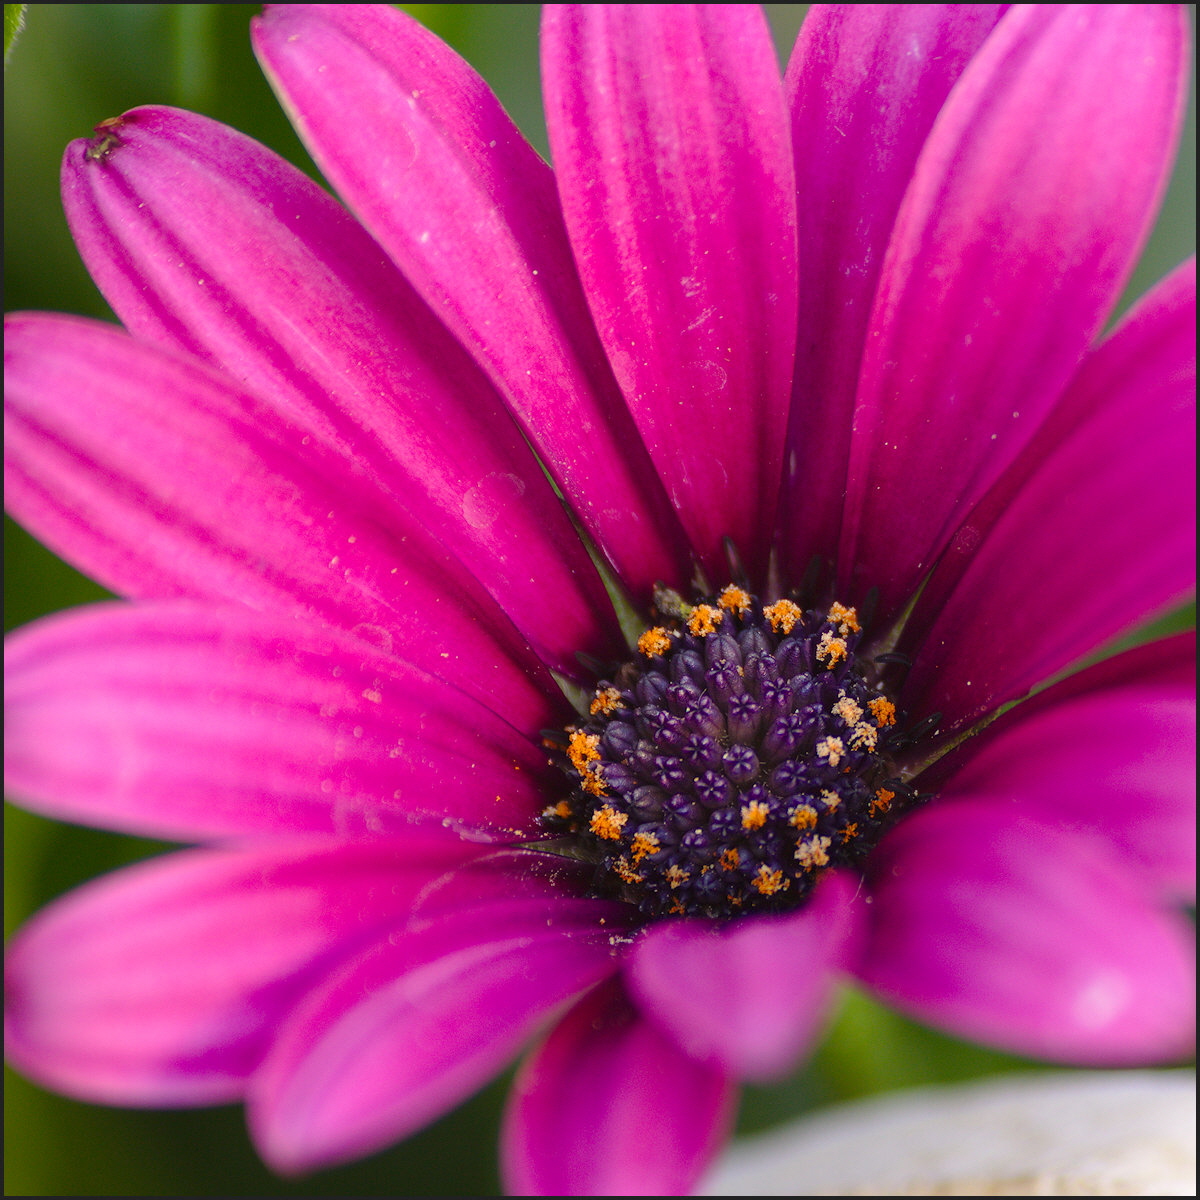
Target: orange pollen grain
column 676, row 875
column 882, row 802
column 804, row 816
column 832, row 749
column 845, row 618
column 734, row 598
column 593, row 781
column 883, row 710
column 811, row 852
column 643, row 844
column 607, row 823
column 626, row 872
column 583, row 749
column 704, row 620
column 831, row 650
column 863, row 736
column 729, row 859
column 851, row 831
column 783, row 615
column 654, row 641
column 607, row 700
column 562, row 810
column 754, row 815
column 768, row 882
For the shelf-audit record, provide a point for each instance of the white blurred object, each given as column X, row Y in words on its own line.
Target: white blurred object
column 1087, row 1133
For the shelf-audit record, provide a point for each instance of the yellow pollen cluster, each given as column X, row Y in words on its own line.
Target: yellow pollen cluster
column 606, row 700
column 883, row 710
column 583, row 749
column 864, row 736
column 830, row 650
column 654, row 641
column 882, row 802
column 754, row 815
column 584, row 754
column 804, row 816
column 847, row 709
column 643, row 844
column 676, row 875
column 626, row 872
column 593, row 781
column 729, row 859
column 783, row 615
column 846, row 619
column 769, row 882
column 811, row 852
column 831, row 798
column 704, row 620
column 832, row 749
column 607, row 823
column 562, row 810
column 734, row 598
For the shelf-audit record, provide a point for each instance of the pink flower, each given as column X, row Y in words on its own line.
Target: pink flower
column 849, row 319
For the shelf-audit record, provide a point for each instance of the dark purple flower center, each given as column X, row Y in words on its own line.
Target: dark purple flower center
column 744, row 751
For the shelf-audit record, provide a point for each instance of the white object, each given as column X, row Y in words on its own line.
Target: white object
column 1086, row 1133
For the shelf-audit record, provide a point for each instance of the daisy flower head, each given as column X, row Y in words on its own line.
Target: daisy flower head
column 588, row 611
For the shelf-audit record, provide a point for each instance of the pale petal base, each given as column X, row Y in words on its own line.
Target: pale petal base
column 1110, row 1133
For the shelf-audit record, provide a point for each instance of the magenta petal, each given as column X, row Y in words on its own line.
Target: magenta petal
column 417, row 1022
column 1028, row 208
column 162, row 984
column 1008, row 929
column 1111, row 750
column 191, row 723
column 1097, row 519
column 283, row 291
column 507, row 874
column 864, row 83
column 751, row 995
column 669, row 135
column 466, row 208
column 157, row 476
column 609, row 1106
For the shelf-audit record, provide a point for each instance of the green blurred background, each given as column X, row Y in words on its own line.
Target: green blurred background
column 74, row 65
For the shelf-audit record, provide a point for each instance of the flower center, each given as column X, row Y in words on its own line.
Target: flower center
column 742, row 753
